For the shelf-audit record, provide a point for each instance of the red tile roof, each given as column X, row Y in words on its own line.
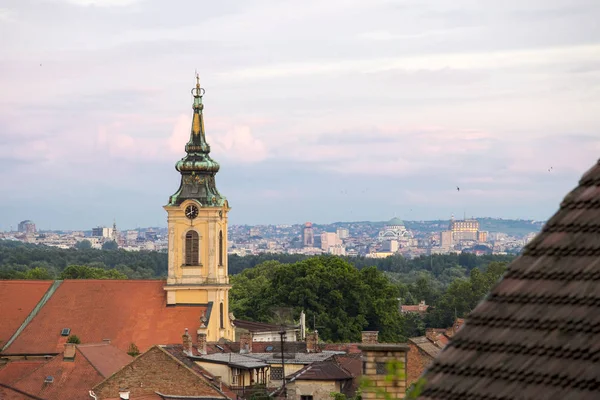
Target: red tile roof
column 72, row 380
column 105, row 358
column 8, row 393
column 124, row 311
column 17, row 369
column 415, row 308
column 17, row 300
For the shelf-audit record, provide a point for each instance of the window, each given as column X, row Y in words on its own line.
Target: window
column 192, row 248
column 220, row 248
column 235, row 372
column 306, row 397
column 221, row 315
column 276, row 373
column 380, row 368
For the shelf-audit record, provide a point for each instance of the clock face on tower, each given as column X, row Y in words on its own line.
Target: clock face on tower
column 191, row 211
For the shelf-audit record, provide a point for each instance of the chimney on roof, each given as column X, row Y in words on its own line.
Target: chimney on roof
column 376, row 359
column 246, row 343
column 431, row 334
column 370, row 337
column 123, row 394
column 69, row 353
column 312, row 342
column 187, row 343
column 201, row 342
column 106, row 341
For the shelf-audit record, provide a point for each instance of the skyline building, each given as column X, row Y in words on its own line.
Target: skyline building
column 343, row 233
column 308, row 235
column 27, row 227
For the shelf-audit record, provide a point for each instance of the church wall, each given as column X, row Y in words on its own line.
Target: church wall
column 192, row 296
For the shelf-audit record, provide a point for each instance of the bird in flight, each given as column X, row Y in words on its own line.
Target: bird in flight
column 549, row 169
column 457, row 189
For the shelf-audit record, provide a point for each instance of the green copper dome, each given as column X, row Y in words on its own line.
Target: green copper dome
column 197, row 169
column 395, row 222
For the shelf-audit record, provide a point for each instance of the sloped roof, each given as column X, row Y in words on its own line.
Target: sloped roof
column 124, row 311
column 321, row 371
column 171, row 357
column 177, row 352
column 9, row 393
column 426, row 346
column 537, row 334
column 72, row 380
column 239, row 360
column 15, row 370
column 17, row 299
column 105, row 358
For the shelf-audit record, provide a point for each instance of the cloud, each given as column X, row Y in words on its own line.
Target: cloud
column 320, row 99
column 102, row 3
column 240, row 145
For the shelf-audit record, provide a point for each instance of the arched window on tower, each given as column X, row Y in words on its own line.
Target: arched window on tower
column 192, row 248
column 220, row 248
column 221, row 315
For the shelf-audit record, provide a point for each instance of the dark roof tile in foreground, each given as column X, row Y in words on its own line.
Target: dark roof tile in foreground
column 537, row 334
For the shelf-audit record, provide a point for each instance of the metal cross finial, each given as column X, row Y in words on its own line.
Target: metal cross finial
column 197, row 80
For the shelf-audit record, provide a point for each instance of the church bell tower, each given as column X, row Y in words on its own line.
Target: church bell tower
column 197, row 226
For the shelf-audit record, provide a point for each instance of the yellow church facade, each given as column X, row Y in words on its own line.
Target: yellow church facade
column 197, row 233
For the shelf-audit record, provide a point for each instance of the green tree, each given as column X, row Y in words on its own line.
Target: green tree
column 38, row 273
column 133, row 350
column 73, row 339
column 86, row 272
column 341, row 299
column 110, row 245
column 83, row 245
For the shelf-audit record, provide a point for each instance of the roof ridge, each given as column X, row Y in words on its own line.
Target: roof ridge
column 32, row 371
column 20, row 391
column 89, row 361
column 51, row 290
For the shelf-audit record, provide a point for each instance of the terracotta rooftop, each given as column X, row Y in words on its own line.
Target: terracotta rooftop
column 536, row 335
column 71, row 380
column 124, row 311
column 15, row 370
column 17, row 300
column 8, row 393
column 105, row 358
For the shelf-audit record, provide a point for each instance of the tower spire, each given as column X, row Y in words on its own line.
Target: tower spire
column 197, row 168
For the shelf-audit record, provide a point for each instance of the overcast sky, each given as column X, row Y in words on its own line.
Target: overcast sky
column 317, row 110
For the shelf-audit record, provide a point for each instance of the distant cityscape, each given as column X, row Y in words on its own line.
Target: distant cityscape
column 367, row 239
